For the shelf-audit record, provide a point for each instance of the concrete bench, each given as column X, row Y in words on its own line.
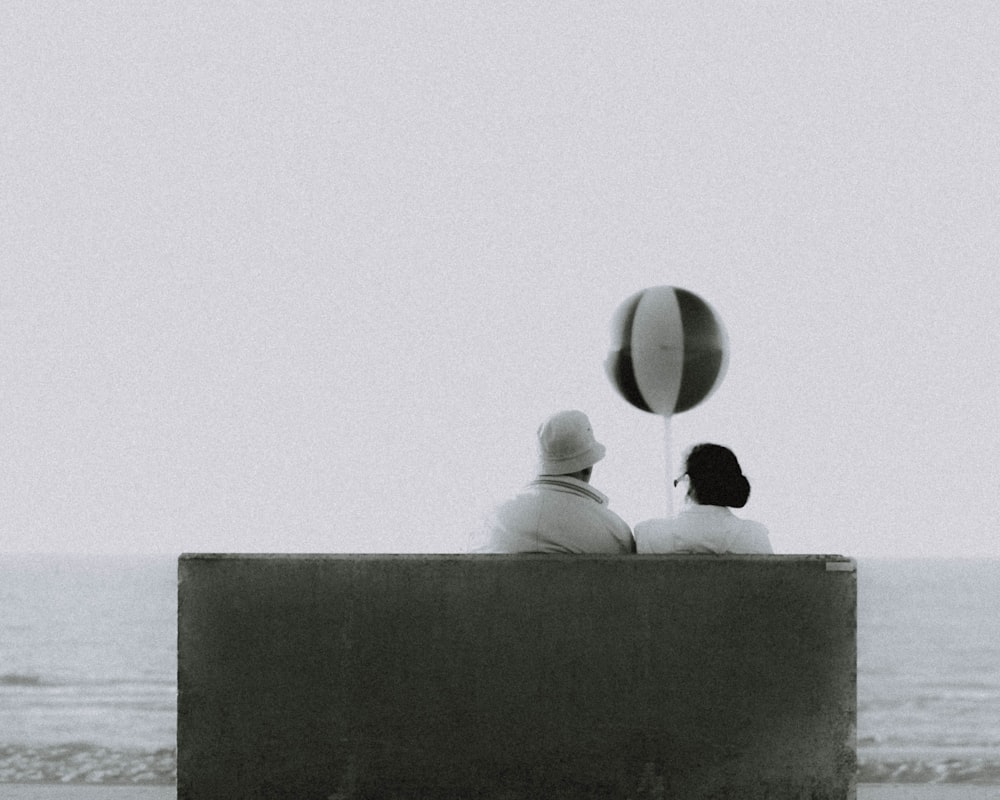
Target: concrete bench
column 397, row 677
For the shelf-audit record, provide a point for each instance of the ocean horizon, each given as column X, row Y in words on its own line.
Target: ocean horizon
column 88, row 669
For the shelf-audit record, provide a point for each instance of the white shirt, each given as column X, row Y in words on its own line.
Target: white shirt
column 556, row 514
column 702, row 529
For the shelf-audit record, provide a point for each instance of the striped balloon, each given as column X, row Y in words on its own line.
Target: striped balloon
column 669, row 350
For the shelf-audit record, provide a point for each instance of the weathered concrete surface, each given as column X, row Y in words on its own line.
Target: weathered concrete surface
column 510, row 677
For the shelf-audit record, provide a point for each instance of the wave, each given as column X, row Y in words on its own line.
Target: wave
column 84, row 763
column 80, row 762
column 43, row 681
column 935, row 769
column 20, row 679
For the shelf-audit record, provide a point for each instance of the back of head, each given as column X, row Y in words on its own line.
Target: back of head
column 566, row 444
column 715, row 476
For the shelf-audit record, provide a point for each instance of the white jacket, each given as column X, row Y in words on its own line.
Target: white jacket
column 556, row 514
column 702, row 529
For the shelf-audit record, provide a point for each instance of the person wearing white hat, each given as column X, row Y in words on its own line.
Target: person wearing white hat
column 559, row 511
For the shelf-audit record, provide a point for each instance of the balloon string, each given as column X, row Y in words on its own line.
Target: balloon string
column 670, row 466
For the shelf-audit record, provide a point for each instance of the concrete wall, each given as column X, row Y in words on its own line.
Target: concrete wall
column 514, row 677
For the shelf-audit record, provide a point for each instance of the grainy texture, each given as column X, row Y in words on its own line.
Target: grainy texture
column 366, row 677
column 77, row 792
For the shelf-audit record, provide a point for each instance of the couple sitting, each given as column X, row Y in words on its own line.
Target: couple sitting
column 560, row 512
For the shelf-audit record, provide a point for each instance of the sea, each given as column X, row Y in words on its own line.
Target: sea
column 88, row 686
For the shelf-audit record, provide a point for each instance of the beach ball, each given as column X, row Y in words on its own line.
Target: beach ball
column 669, row 350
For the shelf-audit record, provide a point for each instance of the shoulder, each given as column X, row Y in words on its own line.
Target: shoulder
column 603, row 518
column 653, row 526
column 655, row 535
column 754, row 536
column 751, row 526
column 615, row 519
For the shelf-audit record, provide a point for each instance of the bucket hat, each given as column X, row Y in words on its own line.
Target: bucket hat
column 566, row 444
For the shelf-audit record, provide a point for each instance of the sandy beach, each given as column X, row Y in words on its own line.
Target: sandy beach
column 868, row 791
column 76, row 791
column 926, row 791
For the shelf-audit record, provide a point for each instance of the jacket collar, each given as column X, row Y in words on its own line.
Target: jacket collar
column 698, row 508
column 564, row 483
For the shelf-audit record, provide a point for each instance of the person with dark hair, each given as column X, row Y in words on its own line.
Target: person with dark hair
column 706, row 525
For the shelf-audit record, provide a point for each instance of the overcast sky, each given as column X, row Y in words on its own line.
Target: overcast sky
column 307, row 277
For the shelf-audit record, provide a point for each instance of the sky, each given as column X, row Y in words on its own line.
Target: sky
column 306, row 277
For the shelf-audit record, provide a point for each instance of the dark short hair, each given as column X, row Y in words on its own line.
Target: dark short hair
column 715, row 476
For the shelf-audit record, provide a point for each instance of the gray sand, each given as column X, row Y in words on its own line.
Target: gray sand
column 868, row 791
column 76, row 791
column 926, row 791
